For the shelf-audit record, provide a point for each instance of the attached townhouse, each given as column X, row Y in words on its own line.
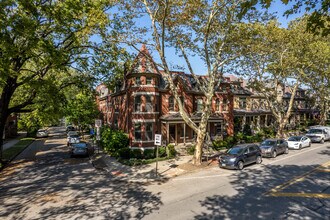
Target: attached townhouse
column 143, row 105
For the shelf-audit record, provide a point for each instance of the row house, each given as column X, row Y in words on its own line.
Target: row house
column 143, row 105
column 251, row 108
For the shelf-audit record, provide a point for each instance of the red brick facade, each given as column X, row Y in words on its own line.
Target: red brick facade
column 143, row 105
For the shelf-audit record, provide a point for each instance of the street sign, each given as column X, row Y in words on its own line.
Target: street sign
column 158, row 139
column 98, row 123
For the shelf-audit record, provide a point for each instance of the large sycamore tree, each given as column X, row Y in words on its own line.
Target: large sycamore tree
column 38, row 39
column 194, row 28
column 278, row 60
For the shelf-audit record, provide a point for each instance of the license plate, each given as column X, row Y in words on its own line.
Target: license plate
column 223, row 165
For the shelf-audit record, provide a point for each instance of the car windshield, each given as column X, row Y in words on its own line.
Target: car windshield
column 74, row 136
column 314, row 131
column 235, row 150
column 42, row 131
column 268, row 143
column 80, row 145
column 294, row 138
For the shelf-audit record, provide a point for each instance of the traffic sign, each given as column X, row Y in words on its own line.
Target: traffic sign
column 158, row 139
column 98, row 123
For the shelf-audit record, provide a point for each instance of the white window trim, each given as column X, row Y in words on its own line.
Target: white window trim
column 144, row 120
column 145, row 113
column 145, row 93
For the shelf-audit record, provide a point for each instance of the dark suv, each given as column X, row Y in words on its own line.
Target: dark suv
column 239, row 156
column 273, row 147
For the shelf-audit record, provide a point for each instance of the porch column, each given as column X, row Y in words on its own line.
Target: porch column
column 167, row 133
column 184, row 134
column 266, row 119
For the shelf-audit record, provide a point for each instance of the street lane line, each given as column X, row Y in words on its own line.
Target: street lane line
column 305, row 195
column 275, row 190
column 305, row 151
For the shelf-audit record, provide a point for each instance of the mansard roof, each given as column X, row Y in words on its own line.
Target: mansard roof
column 143, row 63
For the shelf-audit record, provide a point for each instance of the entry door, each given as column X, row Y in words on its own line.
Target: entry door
column 172, row 133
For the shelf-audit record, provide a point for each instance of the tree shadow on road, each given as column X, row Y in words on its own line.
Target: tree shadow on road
column 253, row 201
column 51, row 187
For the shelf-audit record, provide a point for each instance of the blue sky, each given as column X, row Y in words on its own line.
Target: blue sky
column 277, row 7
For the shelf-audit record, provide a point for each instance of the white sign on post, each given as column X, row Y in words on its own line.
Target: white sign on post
column 158, row 139
column 98, row 123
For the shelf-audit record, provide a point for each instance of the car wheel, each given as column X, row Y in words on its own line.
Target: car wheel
column 322, row 141
column 299, row 147
column 274, row 154
column 240, row 165
column 258, row 160
column 286, row 150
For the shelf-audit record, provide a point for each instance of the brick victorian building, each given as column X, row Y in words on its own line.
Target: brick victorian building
column 142, row 105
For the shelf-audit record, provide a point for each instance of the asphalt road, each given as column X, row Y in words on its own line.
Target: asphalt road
column 45, row 183
column 292, row 186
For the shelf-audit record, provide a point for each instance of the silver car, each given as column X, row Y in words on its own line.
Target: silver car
column 42, row 133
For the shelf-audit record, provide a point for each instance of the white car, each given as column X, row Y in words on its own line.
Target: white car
column 298, row 142
column 41, row 133
column 73, row 138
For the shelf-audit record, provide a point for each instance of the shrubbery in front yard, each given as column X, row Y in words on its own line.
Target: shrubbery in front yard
column 116, row 143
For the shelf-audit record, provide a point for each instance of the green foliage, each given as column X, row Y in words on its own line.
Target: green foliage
column 149, row 153
column 82, row 110
column 124, row 153
column 162, row 151
column 191, row 150
column 112, row 141
column 171, row 152
column 137, row 154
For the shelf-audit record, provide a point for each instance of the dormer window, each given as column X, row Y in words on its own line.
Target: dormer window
column 149, row 81
column 138, row 81
column 199, row 105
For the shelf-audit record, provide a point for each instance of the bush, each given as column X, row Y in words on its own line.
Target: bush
column 249, row 139
column 171, row 152
column 149, row 153
column 112, row 141
column 136, row 153
column 124, row 153
column 219, row 144
column 162, row 152
column 191, row 150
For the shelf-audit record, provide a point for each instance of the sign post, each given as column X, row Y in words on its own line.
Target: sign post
column 158, row 142
column 98, row 125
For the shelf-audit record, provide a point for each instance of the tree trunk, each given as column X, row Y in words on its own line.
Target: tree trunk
column 6, row 95
column 199, row 146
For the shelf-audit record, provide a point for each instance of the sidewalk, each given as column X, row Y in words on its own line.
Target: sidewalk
column 147, row 173
column 8, row 143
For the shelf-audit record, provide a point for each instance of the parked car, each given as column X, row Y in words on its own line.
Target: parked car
column 41, row 133
column 70, row 133
column 73, row 139
column 273, row 147
column 298, row 142
column 319, row 134
column 80, row 149
column 240, row 155
column 70, row 128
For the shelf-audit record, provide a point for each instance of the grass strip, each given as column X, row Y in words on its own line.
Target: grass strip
column 11, row 152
